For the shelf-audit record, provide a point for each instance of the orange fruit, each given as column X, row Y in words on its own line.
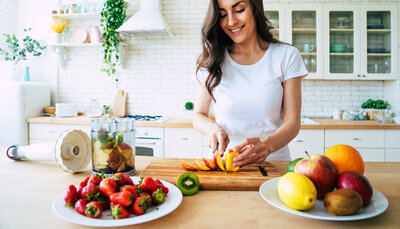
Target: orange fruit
column 345, row 158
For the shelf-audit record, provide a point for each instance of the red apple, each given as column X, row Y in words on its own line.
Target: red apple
column 356, row 182
column 320, row 170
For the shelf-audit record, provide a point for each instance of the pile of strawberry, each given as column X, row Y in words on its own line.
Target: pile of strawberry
column 97, row 193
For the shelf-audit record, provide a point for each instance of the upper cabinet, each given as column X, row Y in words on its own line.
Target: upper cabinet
column 353, row 42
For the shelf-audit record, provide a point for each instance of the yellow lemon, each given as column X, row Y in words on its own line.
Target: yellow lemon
column 297, row 191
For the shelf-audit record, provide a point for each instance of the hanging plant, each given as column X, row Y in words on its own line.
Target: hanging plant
column 113, row 15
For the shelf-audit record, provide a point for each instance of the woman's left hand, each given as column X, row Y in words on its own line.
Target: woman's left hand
column 252, row 150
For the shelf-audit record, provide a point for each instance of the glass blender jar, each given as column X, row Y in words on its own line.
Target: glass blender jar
column 113, row 145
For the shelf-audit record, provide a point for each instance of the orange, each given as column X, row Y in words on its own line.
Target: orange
column 345, row 158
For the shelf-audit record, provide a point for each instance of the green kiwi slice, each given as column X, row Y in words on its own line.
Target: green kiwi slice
column 188, row 183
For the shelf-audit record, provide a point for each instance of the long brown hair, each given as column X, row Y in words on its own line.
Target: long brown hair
column 215, row 41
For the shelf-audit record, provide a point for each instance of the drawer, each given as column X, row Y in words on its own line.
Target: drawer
column 52, row 131
column 392, row 155
column 356, row 138
column 311, row 141
column 371, row 155
column 183, row 143
column 392, row 139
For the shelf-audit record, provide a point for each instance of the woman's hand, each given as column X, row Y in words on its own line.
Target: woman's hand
column 252, row 150
column 219, row 140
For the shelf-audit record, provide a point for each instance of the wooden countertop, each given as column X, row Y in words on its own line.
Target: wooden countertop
column 187, row 123
column 29, row 187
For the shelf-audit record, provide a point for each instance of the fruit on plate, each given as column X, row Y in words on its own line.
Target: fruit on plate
column 188, row 183
column 320, row 170
column 343, row 202
column 229, row 161
column 297, row 191
column 345, row 158
column 93, row 209
column 290, row 167
column 188, row 166
column 218, row 161
column 210, row 163
column 358, row 183
column 200, row 165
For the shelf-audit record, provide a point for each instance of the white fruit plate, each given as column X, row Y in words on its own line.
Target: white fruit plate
column 69, row 214
column 379, row 203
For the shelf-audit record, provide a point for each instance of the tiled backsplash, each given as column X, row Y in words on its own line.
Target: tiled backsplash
column 157, row 70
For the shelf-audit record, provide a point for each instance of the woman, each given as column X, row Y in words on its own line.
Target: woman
column 254, row 80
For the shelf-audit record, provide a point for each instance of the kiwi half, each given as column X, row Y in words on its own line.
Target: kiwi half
column 188, row 183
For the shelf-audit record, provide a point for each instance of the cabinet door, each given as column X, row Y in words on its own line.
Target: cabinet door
column 305, row 32
column 371, row 155
column 392, row 155
column 50, row 132
column 311, row 141
column 379, row 49
column 275, row 13
column 356, row 138
column 342, row 47
column 183, row 143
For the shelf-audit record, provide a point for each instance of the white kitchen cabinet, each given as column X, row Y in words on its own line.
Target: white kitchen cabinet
column 362, row 41
column 42, row 133
column 183, row 143
column 311, row 141
column 392, row 145
column 392, row 155
column 275, row 13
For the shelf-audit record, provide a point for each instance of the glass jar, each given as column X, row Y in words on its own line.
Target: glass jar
column 113, row 145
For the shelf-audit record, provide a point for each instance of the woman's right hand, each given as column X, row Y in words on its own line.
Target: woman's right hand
column 219, row 140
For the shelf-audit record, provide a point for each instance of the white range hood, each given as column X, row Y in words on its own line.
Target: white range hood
column 147, row 21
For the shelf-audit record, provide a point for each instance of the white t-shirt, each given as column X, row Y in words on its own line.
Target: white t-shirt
column 249, row 97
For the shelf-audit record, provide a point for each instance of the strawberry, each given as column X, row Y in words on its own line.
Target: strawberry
column 93, row 209
column 96, row 178
column 90, row 192
column 147, row 184
column 84, row 182
column 104, row 202
column 119, row 212
column 123, row 198
column 165, row 190
column 80, row 206
column 140, row 206
column 71, row 196
column 146, row 196
column 130, row 189
column 108, row 187
column 122, row 179
column 158, row 197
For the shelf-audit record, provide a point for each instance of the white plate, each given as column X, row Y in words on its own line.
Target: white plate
column 69, row 214
column 378, row 204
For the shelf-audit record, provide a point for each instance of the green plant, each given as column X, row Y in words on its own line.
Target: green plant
column 113, row 15
column 16, row 51
column 378, row 104
column 189, row 106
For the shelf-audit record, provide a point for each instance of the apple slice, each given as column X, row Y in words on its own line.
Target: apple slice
column 218, row 161
column 229, row 161
column 200, row 164
column 188, row 166
column 210, row 163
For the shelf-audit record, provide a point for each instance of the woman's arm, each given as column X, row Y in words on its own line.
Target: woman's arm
column 261, row 148
column 202, row 123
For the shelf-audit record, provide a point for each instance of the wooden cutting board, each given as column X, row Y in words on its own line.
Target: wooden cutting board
column 247, row 178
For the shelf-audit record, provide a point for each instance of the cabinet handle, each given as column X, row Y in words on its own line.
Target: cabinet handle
column 363, row 76
column 299, row 140
column 358, row 75
column 145, row 133
column 356, row 139
column 52, row 131
column 184, row 139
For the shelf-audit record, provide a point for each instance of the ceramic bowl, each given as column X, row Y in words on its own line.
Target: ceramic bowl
column 338, row 48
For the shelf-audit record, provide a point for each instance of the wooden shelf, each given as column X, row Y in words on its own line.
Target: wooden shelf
column 379, row 30
column 304, row 30
column 74, row 16
column 341, row 54
column 379, row 54
column 308, row 53
column 341, row 30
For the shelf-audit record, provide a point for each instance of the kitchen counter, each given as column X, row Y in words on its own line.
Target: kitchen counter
column 29, row 187
column 187, row 123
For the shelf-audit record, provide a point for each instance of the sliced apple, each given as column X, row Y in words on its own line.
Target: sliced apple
column 229, row 161
column 218, row 161
column 210, row 163
column 200, row 164
column 188, row 166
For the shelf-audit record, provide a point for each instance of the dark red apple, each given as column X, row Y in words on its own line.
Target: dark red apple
column 320, row 170
column 356, row 182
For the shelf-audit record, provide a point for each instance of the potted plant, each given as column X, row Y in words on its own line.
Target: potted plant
column 17, row 51
column 373, row 107
column 113, row 15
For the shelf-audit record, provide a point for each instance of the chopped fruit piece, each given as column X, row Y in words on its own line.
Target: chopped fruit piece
column 218, row 161
column 210, row 163
column 229, row 161
column 188, row 166
column 200, row 164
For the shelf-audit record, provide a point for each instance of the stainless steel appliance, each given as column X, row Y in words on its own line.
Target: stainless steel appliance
column 149, row 140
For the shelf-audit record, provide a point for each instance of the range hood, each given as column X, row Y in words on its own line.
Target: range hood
column 147, row 21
